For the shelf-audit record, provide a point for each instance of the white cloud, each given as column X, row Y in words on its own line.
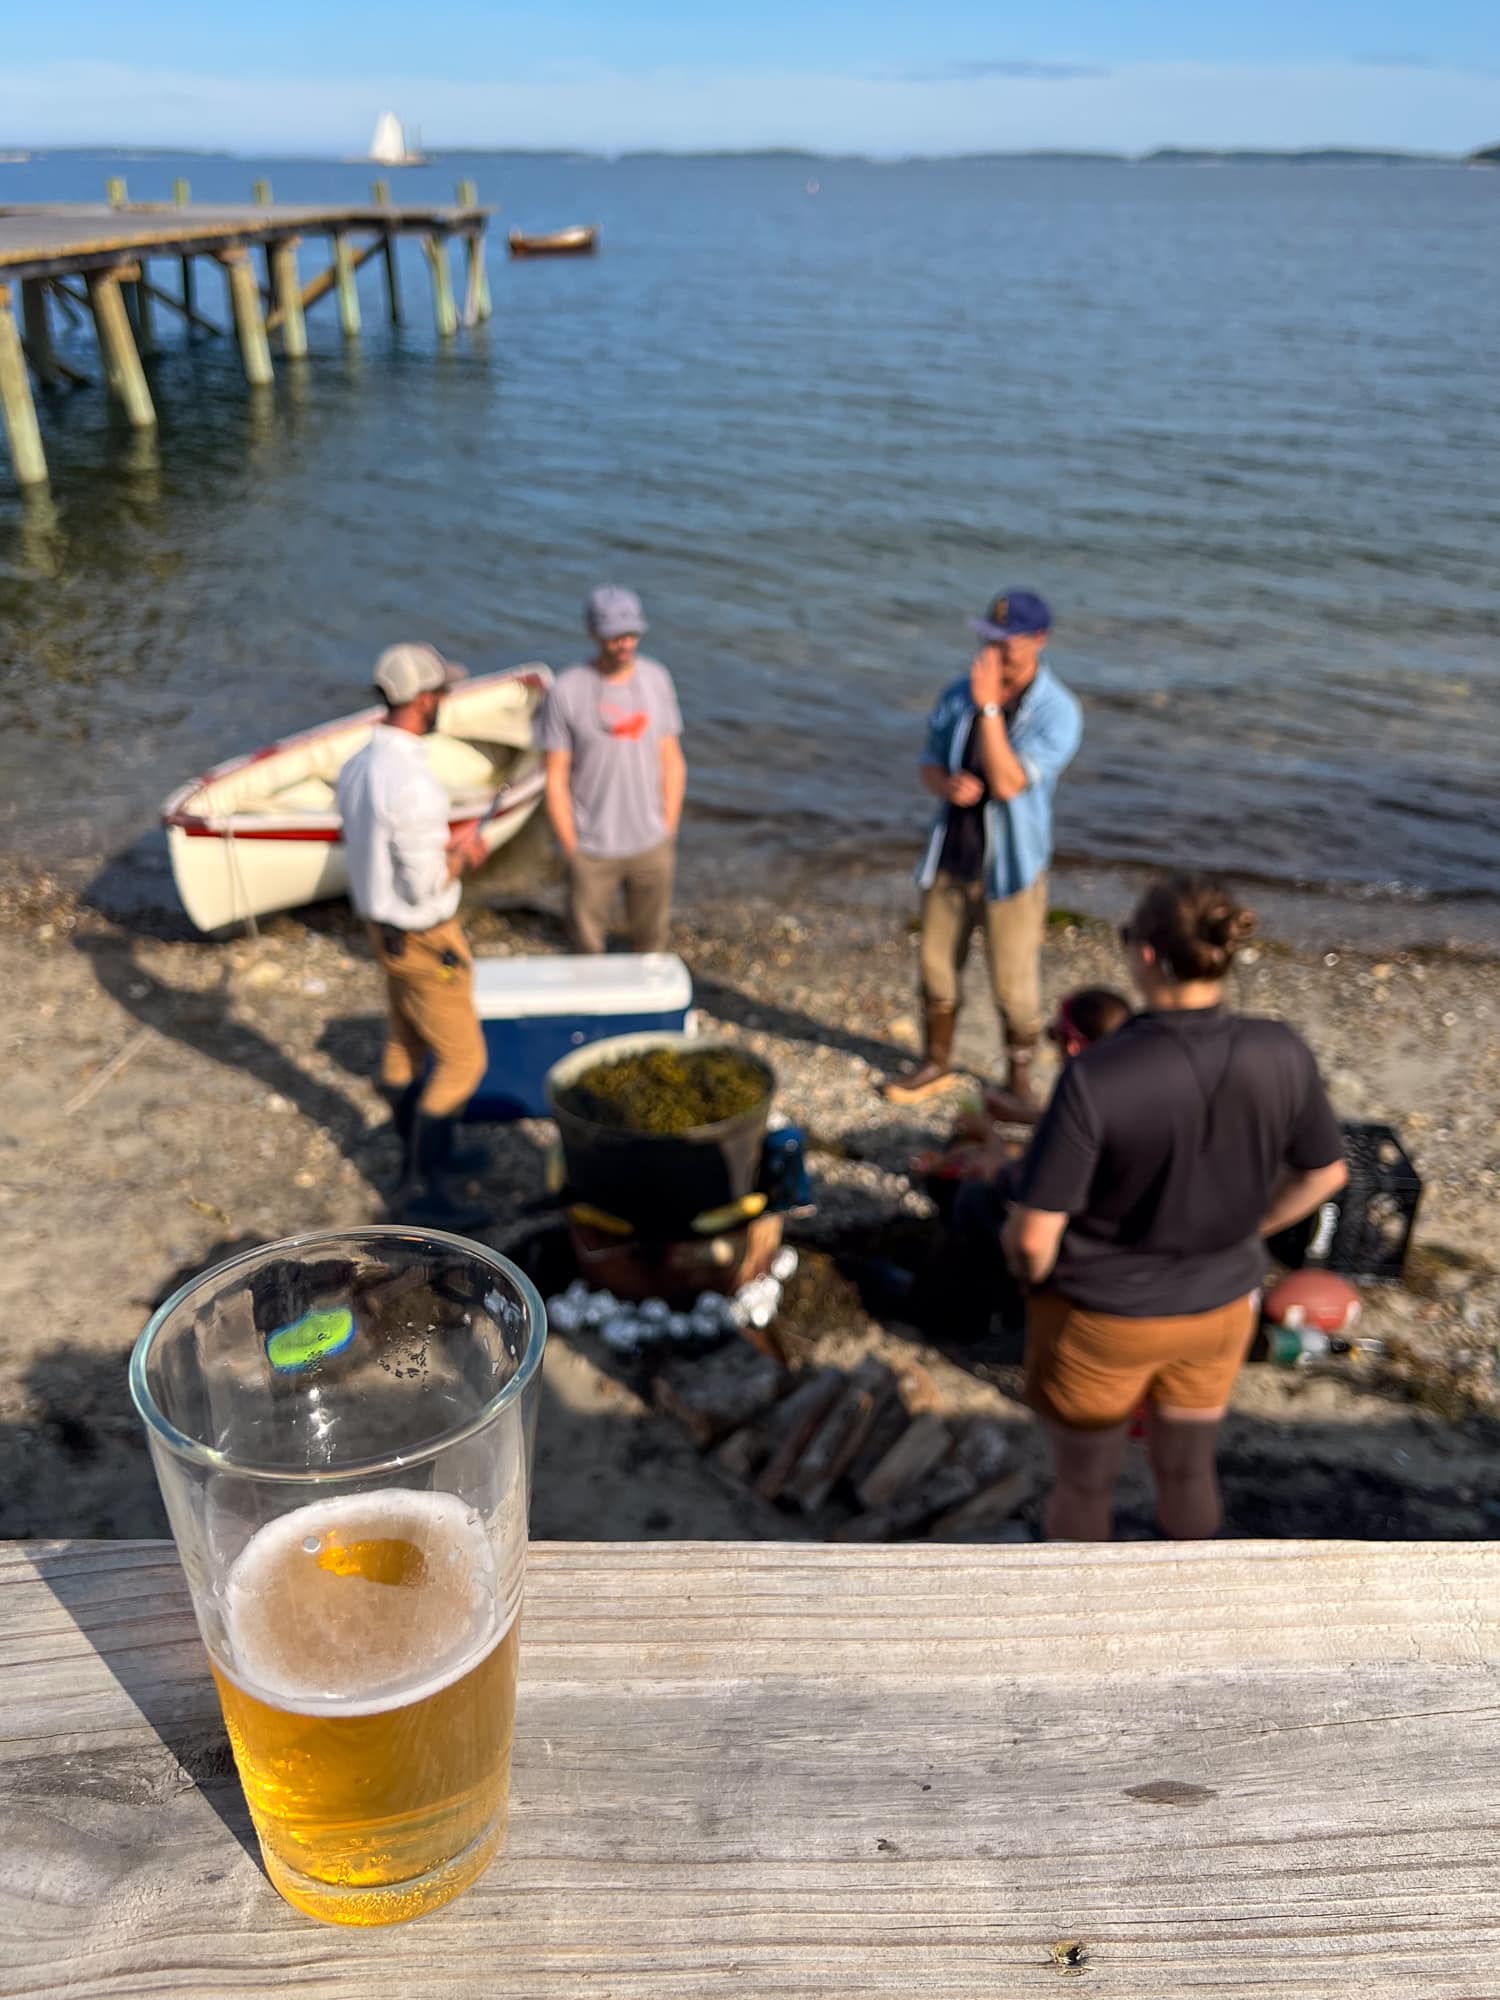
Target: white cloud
column 1130, row 108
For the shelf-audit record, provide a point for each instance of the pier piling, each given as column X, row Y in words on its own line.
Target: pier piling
column 39, row 349
column 444, row 310
column 182, row 194
column 287, row 288
column 145, row 323
column 17, row 409
column 380, row 194
column 249, row 324
column 344, row 268
column 122, row 361
column 477, row 284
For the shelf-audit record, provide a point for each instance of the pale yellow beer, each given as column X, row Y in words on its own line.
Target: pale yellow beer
column 369, row 1693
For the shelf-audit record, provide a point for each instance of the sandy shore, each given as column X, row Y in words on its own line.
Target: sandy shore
column 170, row 1100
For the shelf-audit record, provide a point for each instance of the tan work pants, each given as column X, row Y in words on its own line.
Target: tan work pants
column 1013, row 933
column 429, row 986
column 595, row 880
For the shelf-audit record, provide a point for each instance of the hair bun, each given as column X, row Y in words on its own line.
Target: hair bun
column 1193, row 925
column 1222, row 922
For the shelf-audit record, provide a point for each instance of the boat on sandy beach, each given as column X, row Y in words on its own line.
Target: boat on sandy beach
column 582, row 240
column 262, row 832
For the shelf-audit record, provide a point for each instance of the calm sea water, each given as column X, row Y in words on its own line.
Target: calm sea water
column 1241, row 425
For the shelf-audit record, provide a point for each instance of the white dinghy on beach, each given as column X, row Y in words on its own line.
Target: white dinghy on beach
column 262, row 832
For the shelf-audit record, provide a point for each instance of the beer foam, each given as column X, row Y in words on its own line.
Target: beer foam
column 307, row 1627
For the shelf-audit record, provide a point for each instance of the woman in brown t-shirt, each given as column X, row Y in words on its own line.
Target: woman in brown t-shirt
column 1166, row 1154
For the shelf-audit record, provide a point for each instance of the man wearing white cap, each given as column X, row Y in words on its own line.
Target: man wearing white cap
column 404, row 871
column 611, row 731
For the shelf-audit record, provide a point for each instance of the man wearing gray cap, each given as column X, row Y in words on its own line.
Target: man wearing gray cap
column 404, row 871
column 611, row 731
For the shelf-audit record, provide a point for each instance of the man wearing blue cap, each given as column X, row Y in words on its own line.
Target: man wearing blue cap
column 997, row 743
column 611, row 734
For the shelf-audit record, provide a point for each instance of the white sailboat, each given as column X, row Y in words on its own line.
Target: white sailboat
column 388, row 147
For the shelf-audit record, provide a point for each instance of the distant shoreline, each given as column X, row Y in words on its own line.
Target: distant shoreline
column 1159, row 156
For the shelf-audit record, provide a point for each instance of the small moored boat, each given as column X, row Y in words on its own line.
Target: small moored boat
column 262, row 832
column 580, row 241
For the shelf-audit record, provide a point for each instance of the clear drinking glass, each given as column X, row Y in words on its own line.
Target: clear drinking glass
column 343, row 1425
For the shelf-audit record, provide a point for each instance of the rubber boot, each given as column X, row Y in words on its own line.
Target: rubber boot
column 467, row 1160
column 935, row 1072
column 1018, row 1082
column 427, row 1194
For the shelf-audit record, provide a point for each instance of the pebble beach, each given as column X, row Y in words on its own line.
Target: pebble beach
column 172, row 1099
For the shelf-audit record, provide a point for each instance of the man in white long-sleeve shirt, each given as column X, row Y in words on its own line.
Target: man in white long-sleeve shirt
column 404, row 871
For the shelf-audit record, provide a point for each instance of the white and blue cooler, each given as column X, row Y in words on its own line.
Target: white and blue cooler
column 534, row 1011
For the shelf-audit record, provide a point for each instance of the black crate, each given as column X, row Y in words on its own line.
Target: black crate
column 1365, row 1230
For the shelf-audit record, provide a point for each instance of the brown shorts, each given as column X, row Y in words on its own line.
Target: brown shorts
column 1091, row 1370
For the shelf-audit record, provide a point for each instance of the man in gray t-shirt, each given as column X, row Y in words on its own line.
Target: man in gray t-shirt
column 611, row 732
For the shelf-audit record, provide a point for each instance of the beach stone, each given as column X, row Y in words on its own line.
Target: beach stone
column 1452, row 1283
column 622, row 1334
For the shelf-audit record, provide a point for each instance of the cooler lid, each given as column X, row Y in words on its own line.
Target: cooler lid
column 515, row 989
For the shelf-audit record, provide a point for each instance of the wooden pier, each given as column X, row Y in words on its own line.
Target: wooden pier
column 97, row 263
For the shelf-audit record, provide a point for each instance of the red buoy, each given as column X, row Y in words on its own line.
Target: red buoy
column 1317, row 1299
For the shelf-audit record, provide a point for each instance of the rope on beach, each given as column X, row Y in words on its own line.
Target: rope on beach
column 110, row 1070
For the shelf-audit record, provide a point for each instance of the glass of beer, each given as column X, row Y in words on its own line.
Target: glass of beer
column 343, row 1425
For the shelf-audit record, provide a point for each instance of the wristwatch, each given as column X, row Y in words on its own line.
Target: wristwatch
column 990, row 708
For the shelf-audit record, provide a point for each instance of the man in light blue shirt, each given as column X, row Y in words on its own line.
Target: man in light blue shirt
column 998, row 740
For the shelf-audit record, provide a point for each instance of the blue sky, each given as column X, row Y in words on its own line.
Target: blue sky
column 952, row 75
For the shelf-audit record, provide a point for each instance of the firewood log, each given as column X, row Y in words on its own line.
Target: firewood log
column 991, row 1507
column 716, row 1395
column 976, row 1461
column 832, row 1446
column 921, row 1447
column 792, row 1423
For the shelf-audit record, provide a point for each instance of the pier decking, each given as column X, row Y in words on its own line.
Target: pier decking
column 91, row 261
